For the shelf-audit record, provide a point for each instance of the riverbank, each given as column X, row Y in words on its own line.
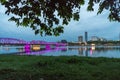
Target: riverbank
column 13, row 67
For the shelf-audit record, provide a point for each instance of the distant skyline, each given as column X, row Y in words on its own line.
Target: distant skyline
column 95, row 25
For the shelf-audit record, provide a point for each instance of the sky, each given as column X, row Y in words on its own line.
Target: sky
column 95, row 25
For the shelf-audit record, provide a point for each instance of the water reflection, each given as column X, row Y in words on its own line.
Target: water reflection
column 90, row 51
column 105, row 49
column 86, row 52
column 43, row 51
column 80, row 51
column 26, row 50
column 99, row 50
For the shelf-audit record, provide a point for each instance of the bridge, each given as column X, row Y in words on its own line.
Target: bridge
column 12, row 41
column 29, row 44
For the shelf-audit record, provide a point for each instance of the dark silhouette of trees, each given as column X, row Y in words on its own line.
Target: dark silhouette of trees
column 47, row 17
column 63, row 41
column 112, row 5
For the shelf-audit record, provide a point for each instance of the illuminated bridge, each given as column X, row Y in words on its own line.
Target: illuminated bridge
column 12, row 41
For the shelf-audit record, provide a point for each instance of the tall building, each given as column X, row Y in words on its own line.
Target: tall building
column 86, row 36
column 80, row 38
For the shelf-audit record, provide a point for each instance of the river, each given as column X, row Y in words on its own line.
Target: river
column 88, row 51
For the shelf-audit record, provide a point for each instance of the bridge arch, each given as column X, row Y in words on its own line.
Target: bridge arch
column 11, row 41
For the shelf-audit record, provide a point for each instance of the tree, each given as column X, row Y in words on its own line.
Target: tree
column 63, row 41
column 112, row 5
column 47, row 17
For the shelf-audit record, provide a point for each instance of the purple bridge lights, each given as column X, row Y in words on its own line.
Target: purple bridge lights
column 36, row 45
column 27, row 48
column 29, row 45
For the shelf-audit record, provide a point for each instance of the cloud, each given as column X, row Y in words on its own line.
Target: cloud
column 94, row 24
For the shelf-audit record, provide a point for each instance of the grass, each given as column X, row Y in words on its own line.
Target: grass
column 13, row 67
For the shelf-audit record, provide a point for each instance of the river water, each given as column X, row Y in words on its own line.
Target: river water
column 88, row 51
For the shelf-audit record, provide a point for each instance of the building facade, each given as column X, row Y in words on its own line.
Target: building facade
column 94, row 38
column 80, row 38
column 86, row 36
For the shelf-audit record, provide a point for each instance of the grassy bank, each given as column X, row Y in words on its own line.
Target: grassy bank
column 58, row 68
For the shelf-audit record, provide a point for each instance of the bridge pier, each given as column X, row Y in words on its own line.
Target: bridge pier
column 27, row 48
column 47, row 47
column 57, row 46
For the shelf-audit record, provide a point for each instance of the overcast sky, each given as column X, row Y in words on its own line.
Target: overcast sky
column 95, row 25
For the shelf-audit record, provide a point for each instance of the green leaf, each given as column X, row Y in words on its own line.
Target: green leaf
column 76, row 16
column 36, row 31
column 2, row 1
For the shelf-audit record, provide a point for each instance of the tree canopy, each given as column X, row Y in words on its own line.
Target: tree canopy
column 47, row 17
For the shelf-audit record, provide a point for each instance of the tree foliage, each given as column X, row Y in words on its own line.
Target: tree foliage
column 47, row 17
column 112, row 5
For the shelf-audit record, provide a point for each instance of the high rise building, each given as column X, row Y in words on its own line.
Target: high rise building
column 80, row 38
column 86, row 36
